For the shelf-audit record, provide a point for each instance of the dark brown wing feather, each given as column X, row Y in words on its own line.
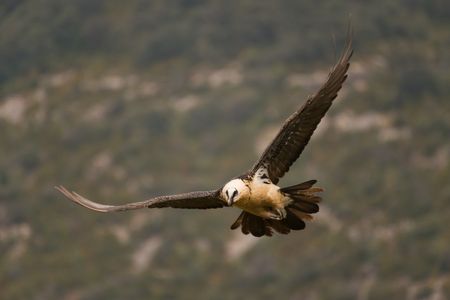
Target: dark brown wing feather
column 258, row 226
column 299, row 127
column 199, row 200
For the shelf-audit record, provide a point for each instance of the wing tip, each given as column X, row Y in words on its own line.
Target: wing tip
column 80, row 200
column 348, row 48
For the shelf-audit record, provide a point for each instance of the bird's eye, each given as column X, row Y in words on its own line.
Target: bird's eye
column 235, row 192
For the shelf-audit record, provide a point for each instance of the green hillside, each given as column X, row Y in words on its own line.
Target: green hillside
column 123, row 100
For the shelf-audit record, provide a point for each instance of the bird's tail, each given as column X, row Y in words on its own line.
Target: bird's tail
column 304, row 203
column 305, row 199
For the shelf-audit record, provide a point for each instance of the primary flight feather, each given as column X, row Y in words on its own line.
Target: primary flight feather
column 265, row 206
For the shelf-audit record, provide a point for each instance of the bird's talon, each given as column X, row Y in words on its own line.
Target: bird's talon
column 278, row 214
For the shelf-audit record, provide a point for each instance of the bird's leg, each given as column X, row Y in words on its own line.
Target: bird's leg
column 276, row 213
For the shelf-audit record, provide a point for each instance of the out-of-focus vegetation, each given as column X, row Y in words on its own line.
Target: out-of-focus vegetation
column 122, row 100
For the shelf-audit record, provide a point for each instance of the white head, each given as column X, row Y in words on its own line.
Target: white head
column 234, row 190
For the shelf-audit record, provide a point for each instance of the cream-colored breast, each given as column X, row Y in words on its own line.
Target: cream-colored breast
column 261, row 196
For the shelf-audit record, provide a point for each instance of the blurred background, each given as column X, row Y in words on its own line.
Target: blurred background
column 123, row 100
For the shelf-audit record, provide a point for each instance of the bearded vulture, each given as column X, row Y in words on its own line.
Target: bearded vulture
column 266, row 208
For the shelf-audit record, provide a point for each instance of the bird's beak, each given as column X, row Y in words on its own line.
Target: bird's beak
column 230, row 200
column 230, row 197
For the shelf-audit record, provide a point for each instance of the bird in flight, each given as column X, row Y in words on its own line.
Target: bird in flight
column 266, row 208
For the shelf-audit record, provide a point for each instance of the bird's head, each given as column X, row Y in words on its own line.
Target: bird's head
column 234, row 190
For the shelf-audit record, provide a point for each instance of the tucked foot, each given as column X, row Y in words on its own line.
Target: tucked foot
column 276, row 213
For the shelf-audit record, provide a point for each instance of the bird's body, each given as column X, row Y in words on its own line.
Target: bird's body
column 265, row 206
column 262, row 198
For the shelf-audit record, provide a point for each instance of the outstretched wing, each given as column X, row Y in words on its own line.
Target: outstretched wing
column 299, row 127
column 199, row 200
